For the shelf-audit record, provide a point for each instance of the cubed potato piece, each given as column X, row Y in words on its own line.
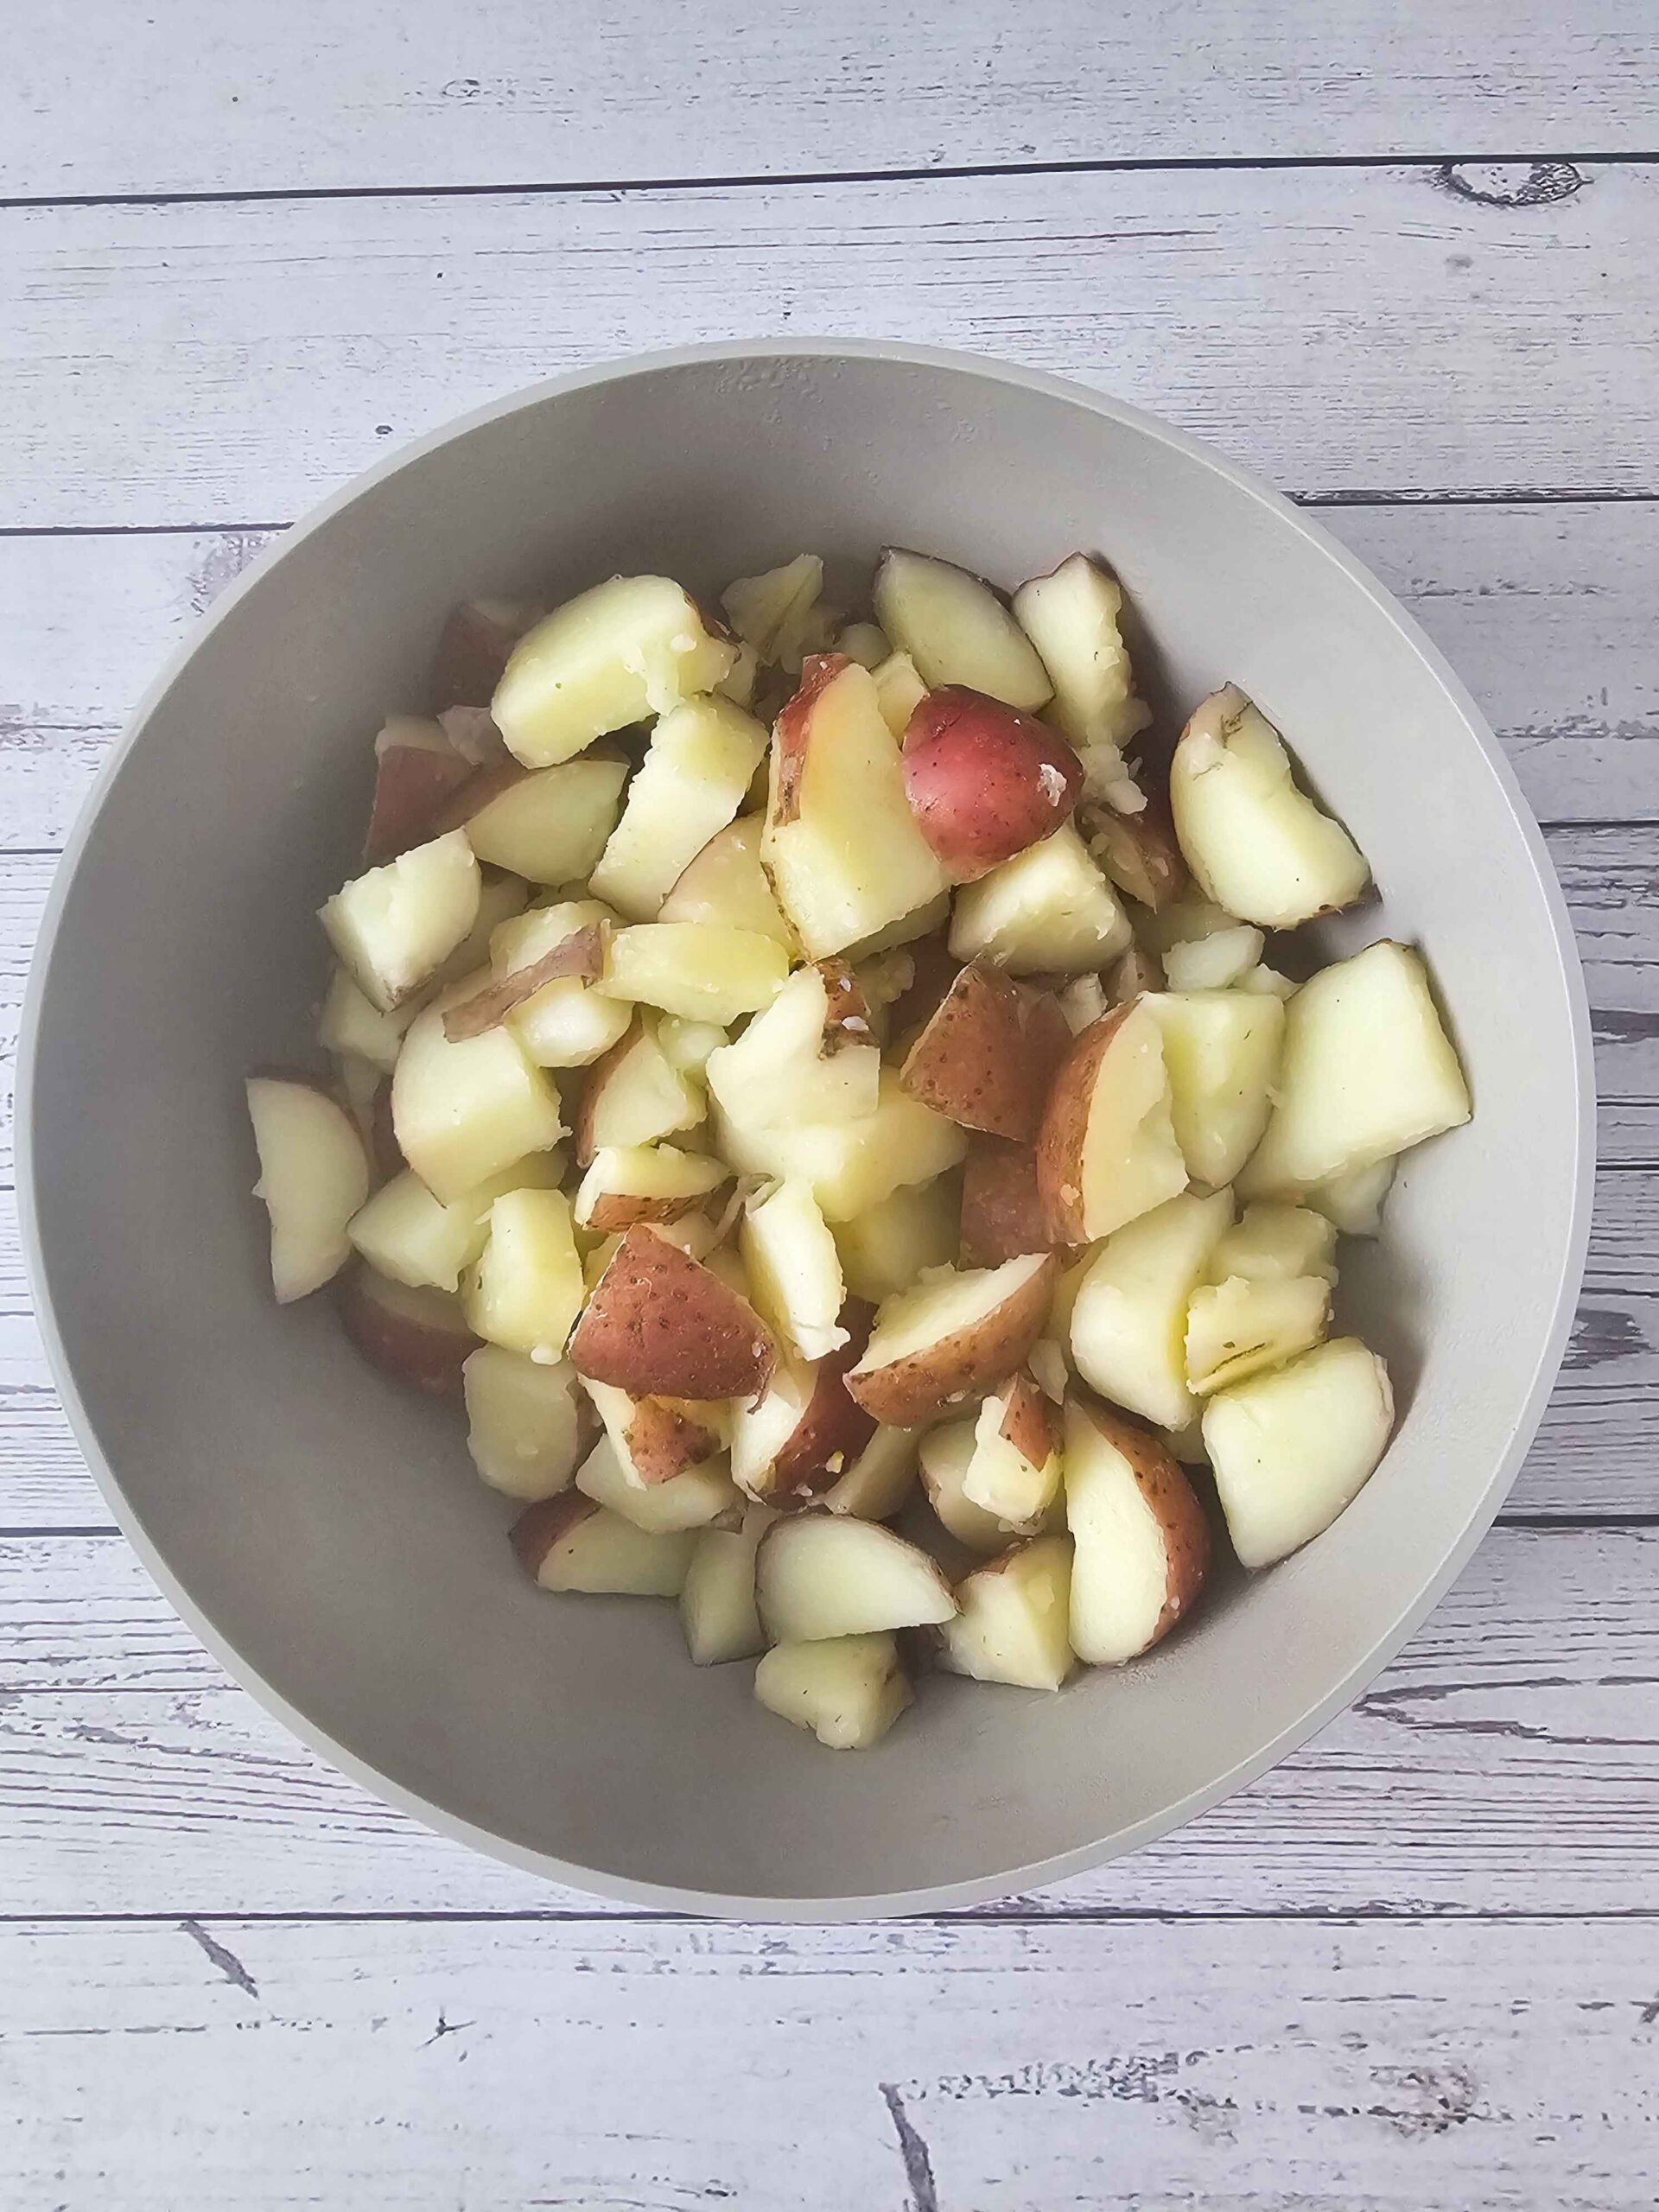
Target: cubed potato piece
column 766, row 611
column 314, row 1178
column 1213, row 963
column 1255, row 844
column 528, row 1288
column 1185, row 922
column 461, row 1113
column 1014, row 1471
column 1140, row 1542
column 717, row 1608
column 1352, row 1202
column 393, row 926
column 865, row 642
column 793, row 1267
column 656, row 1439
column 642, row 1182
column 416, row 773
column 946, row 1454
column 406, row 1233
column 848, row 1690
column 473, row 648
column 1261, row 978
column 880, row 1480
column 898, row 690
column 954, row 1336
column 628, row 649
column 1128, row 1319
column 885, row 1249
column 568, row 1542
column 353, row 1026
column 1368, row 1071
column 1276, row 1243
column 694, row 1498
column 726, row 883
column 696, row 970
column 550, row 826
column 700, row 762
column 527, row 1423
column 843, row 852
column 1048, row 911
column 819, row 1575
column 632, row 1096
column 1108, row 1150
column 418, row 1336
column 810, row 1056
column 569, row 1022
column 1222, row 1050
column 1002, row 1210
column 803, row 1433
column 1240, row 1327
column 500, row 898
column 1072, row 617
column 989, row 1054
column 1083, row 1001
column 690, row 1045
column 956, row 629
column 1013, row 1622
column 852, row 1166
column 1291, row 1449
column 660, row 1325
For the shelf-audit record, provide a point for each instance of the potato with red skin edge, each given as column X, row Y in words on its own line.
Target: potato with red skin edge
column 1107, row 1152
column 983, row 781
column 418, row 1336
column 631, row 1183
column 569, row 1542
column 956, row 1336
column 1141, row 1543
column 654, row 1439
column 660, row 1325
column 1133, row 972
column 989, row 1053
column 1002, row 1211
column 934, row 968
column 416, row 773
column 1139, row 851
column 474, row 647
column 631, row 1096
column 805, row 1431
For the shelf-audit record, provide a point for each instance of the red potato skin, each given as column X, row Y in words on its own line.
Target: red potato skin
column 416, row 1336
column 1059, row 1142
column 473, row 796
column 989, row 1054
column 970, row 1364
column 1140, row 852
column 1031, row 1421
column 598, row 1075
column 846, row 1015
column 663, row 1441
column 1002, row 1215
column 545, row 1524
column 582, row 953
column 933, row 971
column 660, row 1325
column 617, row 1210
column 414, row 786
column 1171, row 1499
column 473, row 648
column 1137, row 970
column 791, row 733
column 983, row 781
column 834, row 1427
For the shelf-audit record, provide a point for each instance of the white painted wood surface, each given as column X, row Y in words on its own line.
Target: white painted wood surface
column 1418, row 1966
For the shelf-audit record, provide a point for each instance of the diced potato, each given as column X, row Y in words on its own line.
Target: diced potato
column 766, row 611
column 628, row 1183
column 810, row 1056
column 394, row 925
column 1128, row 1321
column 693, row 1499
column 1140, row 1542
column 633, row 1097
column 717, row 1609
column 1014, row 1471
column 353, row 1026
column 1368, row 1071
column 1222, row 1050
column 852, row 1166
column 1352, row 1202
column 793, row 1269
column 1213, row 963
column 866, row 643
column 957, row 630
column 525, row 1421
column 847, row 1691
column 1182, row 923
column 819, row 1575
column 313, row 1177
column 726, row 883
column 528, row 1289
column 946, row 1455
column 463, row 1112
column 550, row 826
column 690, row 1045
column 1049, row 911
column 887, row 1246
column 406, row 1233
column 700, row 763
column 1012, row 1624
column 696, row 970
column 898, row 690
column 1072, row 617
column 568, row 1542
column 1108, row 1149
column 633, row 647
column 500, row 898
column 1291, row 1449
column 880, row 1480
column 1239, row 1326
column 1276, row 1243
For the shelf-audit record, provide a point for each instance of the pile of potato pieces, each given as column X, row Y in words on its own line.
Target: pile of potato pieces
column 776, row 1132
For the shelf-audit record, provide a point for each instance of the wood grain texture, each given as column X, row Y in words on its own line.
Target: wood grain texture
column 614, row 2067
column 1343, row 330
column 314, row 96
column 1508, row 1762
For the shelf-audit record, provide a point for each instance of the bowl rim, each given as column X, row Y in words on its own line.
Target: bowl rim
column 944, row 1897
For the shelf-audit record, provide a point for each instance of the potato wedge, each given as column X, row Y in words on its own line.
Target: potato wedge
column 696, row 970
column 1141, row 1544
column 1222, row 1050
column 1128, row 1317
column 805, row 1434
column 726, row 883
column 1291, row 1450
column 550, row 827
column 944, row 1456
column 632, row 1096
column 1049, row 909
column 819, row 1575
column 1012, row 1624
column 851, row 1166
column 1071, row 616
column 461, row 1113
column 690, row 786
column 848, row 1690
column 656, row 1439
column 696, row 1497
column 416, row 771
column 717, row 1607
column 394, row 926
column 661, row 1324
column 880, row 1480
column 644, row 1182
column 793, row 1269
column 421, row 1336
column 568, row 1542
column 984, row 782
column 527, row 1288
column 956, row 629
column 954, row 1336
column 314, row 1178
column 528, row 1426
column 1238, row 1327
column 1014, row 1471
column 886, row 1246
column 989, row 1054
column 809, row 1058
column 1108, row 1151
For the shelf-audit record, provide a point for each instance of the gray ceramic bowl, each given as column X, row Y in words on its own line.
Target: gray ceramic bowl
column 323, row 1532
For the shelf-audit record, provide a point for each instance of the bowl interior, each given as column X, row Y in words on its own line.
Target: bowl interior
column 327, row 1530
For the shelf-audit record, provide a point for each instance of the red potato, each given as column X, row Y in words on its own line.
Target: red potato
column 805, row 1433
column 1001, row 1206
column 654, row 1439
column 1139, row 851
column 660, row 1325
column 473, row 648
column 989, row 1053
column 984, row 782
column 633, row 1183
column 955, row 1336
column 1107, row 1152
column 1142, row 1542
column 416, row 773
column 1133, row 972
column 583, row 954
column 483, row 784
column 571, row 1542
column 419, row 1336
column 632, row 1096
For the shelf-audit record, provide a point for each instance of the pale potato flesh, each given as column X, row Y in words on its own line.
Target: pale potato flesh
column 820, row 1575
column 1048, row 911
column 1222, row 1050
column 852, row 1166
column 1128, row 1319
column 880, row 1480
column 406, row 1233
column 463, row 1112
column 886, row 1246
column 699, row 970
column 946, row 1455
column 767, row 610
column 957, row 630
column 1013, row 1624
column 1238, row 1327
column 393, row 927
column 848, row 1690
column 1108, row 1150
column 524, row 1421
column 717, row 1607
column 793, row 1067
column 1213, row 963
column 1072, row 617
column 725, row 883
column 1271, row 1242
column 527, row 1289
column 599, row 1553
column 644, row 1182
column 1352, row 1202
column 351, row 1024
column 633, row 1097
column 691, row 1500
column 1139, row 1543
column 314, row 1178
column 1290, row 1450
column 957, row 1334
column 898, row 690
column 550, row 826
column 1014, row 1471
column 864, row 642
column 696, row 772
column 569, row 1022
column 793, row 1267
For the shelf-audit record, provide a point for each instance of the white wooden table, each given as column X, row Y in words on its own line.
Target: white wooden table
column 1404, row 259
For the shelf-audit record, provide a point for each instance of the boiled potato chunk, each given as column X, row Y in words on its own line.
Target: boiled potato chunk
column 1072, row 617
column 810, row 1056
column 946, row 1454
column 725, row 883
column 984, row 782
column 1048, row 911
column 1368, row 1071
column 463, row 1112
column 528, row 1288
column 525, row 1421
column 848, row 1690
column 793, row 1267
column 1276, row 1243
column 699, row 765
column 1013, row 1624
column 696, row 970
column 1213, row 963
column 1140, row 1542
column 884, row 1249
column 628, row 649
column 1108, row 1149
column 550, row 826
column 898, row 690
column 692, row 1499
column 852, row 1166
column 1238, row 1327
column 351, row 1027
column 1222, row 1050
column 1291, row 1449
column 419, row 1336
column 1014, row 1472
column 864, row 642
column 881, row 1479
column 406, row 1233
column 568, row 1542
column 634, row 1097
column 394, row 926
column 1352, row 1202
column 768, row 611
column 313, row 1177
column 717, row 1607
column 843, row 852
column 1255, row 844
column 957, row 630
column 1128, row 1321
column 642, row 1182
column 954, row 1336
column 819, row 1575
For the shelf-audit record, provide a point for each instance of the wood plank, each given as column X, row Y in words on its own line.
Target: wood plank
column 1506, row 1762
column 317, row 96
column 1544, row 611
column 1127, row 2066
column 1345, row 330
